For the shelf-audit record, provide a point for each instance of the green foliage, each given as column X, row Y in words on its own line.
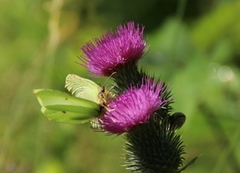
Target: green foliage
column 198, row 57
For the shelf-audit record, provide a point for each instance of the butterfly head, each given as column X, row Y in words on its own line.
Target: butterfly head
column 105, row 97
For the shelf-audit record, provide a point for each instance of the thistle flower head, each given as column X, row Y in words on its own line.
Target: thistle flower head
column 105, row 55
column 133, row 107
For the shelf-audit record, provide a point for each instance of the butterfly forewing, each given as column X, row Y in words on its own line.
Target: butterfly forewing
column 82, row 88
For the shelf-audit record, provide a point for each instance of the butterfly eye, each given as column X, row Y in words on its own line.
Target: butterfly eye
column 101, row 94
column 103, row 89
column 177, row 120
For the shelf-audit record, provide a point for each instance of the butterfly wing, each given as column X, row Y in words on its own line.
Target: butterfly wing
column 82, row 88
column 62, row 107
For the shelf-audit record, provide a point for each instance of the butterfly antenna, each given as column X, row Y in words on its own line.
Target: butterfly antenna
column 109, row 78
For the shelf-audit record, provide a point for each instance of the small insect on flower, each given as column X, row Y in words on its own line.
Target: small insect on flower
column 88, row 101
column 177, row 120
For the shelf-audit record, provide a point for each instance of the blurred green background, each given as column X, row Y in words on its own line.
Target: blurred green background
column 194, row 47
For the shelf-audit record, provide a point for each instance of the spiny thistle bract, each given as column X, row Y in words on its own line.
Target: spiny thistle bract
column 153, row 148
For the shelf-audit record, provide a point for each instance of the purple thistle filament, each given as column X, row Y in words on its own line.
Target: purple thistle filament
column 135, row 106
column 105, row 55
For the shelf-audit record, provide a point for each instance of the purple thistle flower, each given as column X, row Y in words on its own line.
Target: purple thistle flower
column 105, row 55
column 135, row 106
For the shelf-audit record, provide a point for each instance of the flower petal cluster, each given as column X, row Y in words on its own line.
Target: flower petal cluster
column 133, row 107
column 105, row 55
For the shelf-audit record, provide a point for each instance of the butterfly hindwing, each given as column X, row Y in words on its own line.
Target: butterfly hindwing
column 62, row 107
